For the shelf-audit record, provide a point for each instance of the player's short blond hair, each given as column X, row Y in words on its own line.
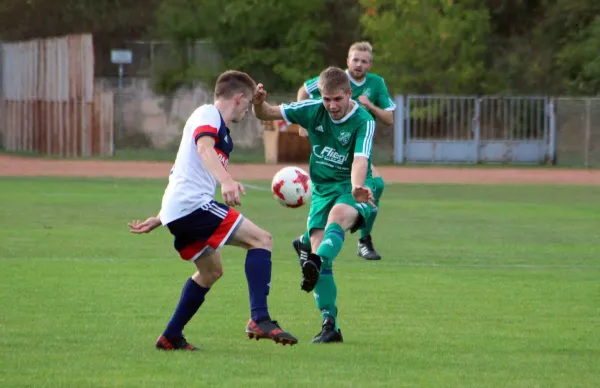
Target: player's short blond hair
column 333, row 79
column 233, row 82
column 364, row 47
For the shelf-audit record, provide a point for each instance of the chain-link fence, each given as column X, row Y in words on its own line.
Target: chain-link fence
column 578, row 132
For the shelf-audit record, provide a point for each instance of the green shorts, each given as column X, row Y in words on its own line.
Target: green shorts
column 325, row 198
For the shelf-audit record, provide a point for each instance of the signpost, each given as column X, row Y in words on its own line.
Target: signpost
column 121, row 57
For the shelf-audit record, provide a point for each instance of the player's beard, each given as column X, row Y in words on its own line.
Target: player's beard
column 357, row 75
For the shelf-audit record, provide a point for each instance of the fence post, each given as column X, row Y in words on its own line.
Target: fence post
column 551, row 155
column 588, row 132
column 2, row 99
column 399, row 130
column 475, row 123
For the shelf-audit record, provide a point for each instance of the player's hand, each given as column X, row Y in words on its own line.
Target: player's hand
column 302, row 132
column 363, row 194
column 260, row 95
column 364, row 100
column 147, row 226
column 230, row 190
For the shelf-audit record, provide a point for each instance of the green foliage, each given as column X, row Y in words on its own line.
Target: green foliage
column 30, row 19
column 278, row 42
column 428, row 46
column 579, row 60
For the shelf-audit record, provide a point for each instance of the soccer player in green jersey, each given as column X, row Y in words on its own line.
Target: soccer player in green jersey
column 370, row 91
column 340, row 132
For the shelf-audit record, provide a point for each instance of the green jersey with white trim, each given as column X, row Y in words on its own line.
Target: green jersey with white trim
column 373, row 87
column 334, row 143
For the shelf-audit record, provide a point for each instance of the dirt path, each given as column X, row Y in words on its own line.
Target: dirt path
column 23, row 166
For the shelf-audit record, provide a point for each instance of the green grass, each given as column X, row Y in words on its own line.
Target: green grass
column 480, row 286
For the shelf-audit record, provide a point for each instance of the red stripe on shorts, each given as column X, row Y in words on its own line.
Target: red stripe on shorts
column 224, row 228
column 192, row 250
column 215, row 240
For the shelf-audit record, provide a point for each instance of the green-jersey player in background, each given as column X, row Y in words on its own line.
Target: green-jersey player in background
column 370, row 91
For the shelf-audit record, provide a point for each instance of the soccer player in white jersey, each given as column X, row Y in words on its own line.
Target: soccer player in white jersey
column 202, row 225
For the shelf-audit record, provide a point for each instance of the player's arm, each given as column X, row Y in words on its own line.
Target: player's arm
column 362, row 159
column 385, row 116
column 266, row 111
column 139, row 227
column 383, row 107
column 302, row 94
column 205, row 147
column 293, row 113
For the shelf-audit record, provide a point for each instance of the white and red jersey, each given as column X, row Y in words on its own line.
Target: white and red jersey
column 191, row 185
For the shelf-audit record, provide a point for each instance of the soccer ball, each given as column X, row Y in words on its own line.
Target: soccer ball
column 292, row 187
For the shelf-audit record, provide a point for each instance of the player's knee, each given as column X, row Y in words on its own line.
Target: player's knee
column 208, row 277
column 343, row 215
column 262, row 240
column 217, row 273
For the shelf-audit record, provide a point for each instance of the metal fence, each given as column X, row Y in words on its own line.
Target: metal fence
column 48, row 100
column 471, row 129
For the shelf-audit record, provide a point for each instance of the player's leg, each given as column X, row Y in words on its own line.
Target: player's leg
column 209, row 270
column 258, row 266
column 316, row 222
column 302, row 246
column 366, row 250
column 346, row 215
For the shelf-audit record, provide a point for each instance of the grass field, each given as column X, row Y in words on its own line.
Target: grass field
column 480, row 286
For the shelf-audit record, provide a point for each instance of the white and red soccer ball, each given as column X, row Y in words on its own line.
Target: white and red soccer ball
column 292, row 187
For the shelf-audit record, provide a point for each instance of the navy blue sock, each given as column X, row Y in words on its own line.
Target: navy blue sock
column 258, row 274
column 191, row 299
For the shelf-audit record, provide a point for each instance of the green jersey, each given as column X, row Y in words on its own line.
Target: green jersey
column 334, row 143
column 373, row 87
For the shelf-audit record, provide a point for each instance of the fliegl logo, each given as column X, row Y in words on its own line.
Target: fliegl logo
column 329, row 154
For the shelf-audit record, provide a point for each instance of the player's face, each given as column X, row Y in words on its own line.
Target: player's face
column 359, row 63
column 241, row 108
column 337, row 103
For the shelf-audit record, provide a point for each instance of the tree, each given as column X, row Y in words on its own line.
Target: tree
column 428, row 46
column 276, row 41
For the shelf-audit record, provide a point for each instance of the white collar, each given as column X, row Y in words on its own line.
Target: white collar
column 345, row 118
column 361, row 83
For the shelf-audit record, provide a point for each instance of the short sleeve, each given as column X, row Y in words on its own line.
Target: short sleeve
column 300, row 112
column 312, row 87
column 364, row 139
column 384, row 101
column 206, row 122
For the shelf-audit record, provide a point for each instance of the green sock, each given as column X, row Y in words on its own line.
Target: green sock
column 379, row 185
column 330, row 247
column 326, row 294
column 325, row 289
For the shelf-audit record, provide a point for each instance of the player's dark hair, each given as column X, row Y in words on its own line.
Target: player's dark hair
column 233, row 82
column 333, row 79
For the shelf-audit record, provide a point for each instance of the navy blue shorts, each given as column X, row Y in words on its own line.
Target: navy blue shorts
column 207, row 228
